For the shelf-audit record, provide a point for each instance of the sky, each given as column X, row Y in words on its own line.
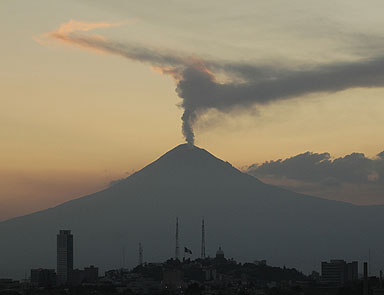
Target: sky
column 92, row 91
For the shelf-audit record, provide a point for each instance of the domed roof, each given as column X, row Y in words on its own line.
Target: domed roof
column 220, row 252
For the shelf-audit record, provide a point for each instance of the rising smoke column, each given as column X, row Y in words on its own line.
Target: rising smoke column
column 195, row 74
column 199, row 89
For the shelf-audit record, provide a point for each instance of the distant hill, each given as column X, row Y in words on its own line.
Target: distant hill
column 250, row 220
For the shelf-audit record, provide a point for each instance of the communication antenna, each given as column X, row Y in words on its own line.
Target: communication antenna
column 123, row 256
column 202, row 240
column 140, row 254
column 177, row 247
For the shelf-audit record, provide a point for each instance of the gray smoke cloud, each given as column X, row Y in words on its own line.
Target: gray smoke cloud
column 353, row 178
column 245, row 85
column 321, row 168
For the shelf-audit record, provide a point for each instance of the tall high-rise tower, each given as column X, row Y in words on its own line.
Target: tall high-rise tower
column 177, row 246
column 64, row 257
column 202, row 240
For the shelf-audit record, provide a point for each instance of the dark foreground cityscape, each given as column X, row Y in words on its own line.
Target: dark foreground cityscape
column 205, row 275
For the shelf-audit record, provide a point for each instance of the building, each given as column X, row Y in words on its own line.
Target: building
column 64, row 257
column 220, row 257
column 339, row 272
column 210, row 274
column 91, row 274
column 9, row 284
column 261, row 262
column 43, row 277
column 220, row 254
column 173, row 279
column 352, row 271
column 78, row 277
column 88, row 275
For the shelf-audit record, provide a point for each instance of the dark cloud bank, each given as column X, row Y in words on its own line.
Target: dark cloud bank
column 243, row 85
column 354, row 175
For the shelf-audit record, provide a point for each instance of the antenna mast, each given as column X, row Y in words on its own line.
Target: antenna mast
column 140, row 254
column 202, row 240
column 177, row 248
column 123, row 256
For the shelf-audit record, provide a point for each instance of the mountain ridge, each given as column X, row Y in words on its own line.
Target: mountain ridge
column 182, row 148
column 250, row 219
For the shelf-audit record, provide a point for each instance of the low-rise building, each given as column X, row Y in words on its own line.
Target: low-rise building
column 338, row 272
column 42, row 277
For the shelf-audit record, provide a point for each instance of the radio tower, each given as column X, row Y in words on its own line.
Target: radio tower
column 177, row 248
column 140, row 254
column 123, row 256
column 202, row 240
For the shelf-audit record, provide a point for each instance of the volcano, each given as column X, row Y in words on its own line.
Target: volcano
column 250, row 220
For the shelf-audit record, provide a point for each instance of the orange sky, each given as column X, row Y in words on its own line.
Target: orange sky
column 72, row 120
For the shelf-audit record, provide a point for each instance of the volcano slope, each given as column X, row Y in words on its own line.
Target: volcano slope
column 249, row 219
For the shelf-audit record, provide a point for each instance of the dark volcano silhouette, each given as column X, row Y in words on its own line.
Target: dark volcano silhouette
column 249, row 219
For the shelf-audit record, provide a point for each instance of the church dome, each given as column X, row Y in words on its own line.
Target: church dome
column 220, row 253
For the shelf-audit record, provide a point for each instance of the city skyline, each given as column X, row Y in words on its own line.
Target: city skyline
column 335, row 274
column 65, row 260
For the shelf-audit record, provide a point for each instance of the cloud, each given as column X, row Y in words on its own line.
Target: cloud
column 76, row 26
column 318, row 173
column 65, row 31
column 314, row 167
column 205, row 84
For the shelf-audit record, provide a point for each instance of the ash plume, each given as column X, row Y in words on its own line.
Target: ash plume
column 245, row 85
